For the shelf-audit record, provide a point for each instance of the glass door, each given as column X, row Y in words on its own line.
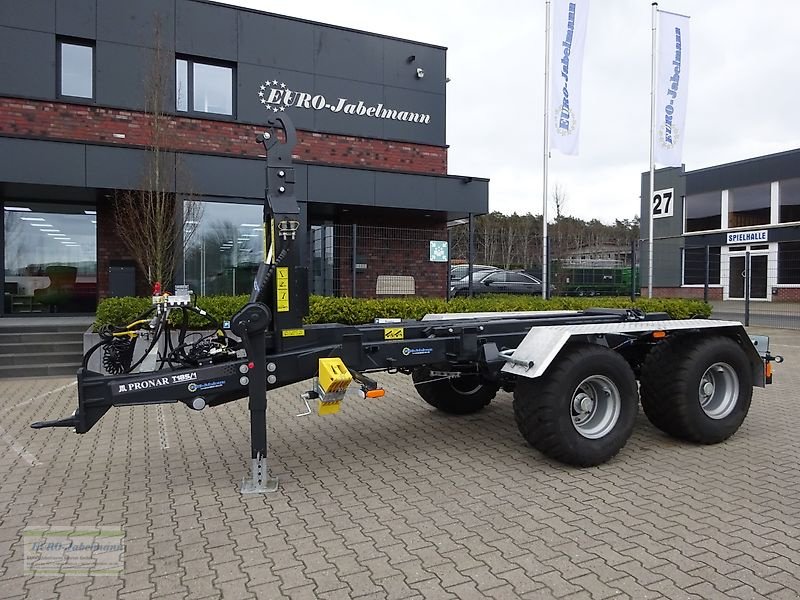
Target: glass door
column 758, row 277
column 736, row 284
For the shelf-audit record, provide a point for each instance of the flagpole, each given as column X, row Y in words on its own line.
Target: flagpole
column 545, row 283
column 649, row 202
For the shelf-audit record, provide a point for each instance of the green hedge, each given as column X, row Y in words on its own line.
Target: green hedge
column 121, row 311
column 353, row 311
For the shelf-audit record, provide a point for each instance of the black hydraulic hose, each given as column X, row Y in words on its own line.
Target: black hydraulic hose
column 264, row 276
column 90, row 351
column 156, row 335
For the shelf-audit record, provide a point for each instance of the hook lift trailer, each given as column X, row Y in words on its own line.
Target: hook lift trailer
column 573, row 373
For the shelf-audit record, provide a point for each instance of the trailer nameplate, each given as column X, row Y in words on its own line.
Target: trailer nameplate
column 293, row 333
column 393, row 333
column 282, row 281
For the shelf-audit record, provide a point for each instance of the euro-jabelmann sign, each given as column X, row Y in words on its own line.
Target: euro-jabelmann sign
column 277, row 96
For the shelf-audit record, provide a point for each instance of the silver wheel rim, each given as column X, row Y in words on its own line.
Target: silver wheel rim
column 595, row 406
column 463, row 387
column 718, row 391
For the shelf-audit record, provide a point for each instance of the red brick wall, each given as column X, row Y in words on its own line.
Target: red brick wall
column 92, row 124
column 787, row 295
column 714, row 293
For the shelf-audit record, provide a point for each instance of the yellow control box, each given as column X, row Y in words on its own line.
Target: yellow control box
column 332, row 384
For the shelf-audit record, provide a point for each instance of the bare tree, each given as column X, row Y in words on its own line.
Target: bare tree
column 560, row 201
column 149, row 220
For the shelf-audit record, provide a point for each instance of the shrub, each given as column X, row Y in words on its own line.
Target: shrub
column 354, row 311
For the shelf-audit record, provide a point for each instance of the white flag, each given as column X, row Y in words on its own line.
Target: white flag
column 566, row 66
column 672, row 86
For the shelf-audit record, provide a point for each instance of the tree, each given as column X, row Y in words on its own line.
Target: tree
column 149, row 220
column 560, row 201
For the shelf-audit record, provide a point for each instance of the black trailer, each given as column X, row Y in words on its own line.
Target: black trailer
column 573, row 373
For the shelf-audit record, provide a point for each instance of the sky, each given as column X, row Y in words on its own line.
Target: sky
column 742, row 98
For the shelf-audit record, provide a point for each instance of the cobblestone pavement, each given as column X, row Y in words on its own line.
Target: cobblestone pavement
column 391, row 499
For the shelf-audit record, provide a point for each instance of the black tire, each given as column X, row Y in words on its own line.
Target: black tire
column 457, row 396
column 543, row 407
column 672, row 398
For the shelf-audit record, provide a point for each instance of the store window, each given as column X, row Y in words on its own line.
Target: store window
column 50, row 258
column 703, row 211
column 749, row 206
column 789, row 262
column 202, row 87
column 322, row 265
column 694, row 266
column 223, row 255
column 75, row 69
column 789, row 200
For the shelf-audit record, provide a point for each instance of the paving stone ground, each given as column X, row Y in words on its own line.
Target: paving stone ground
column 391, row 499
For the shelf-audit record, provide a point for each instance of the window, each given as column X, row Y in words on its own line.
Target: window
column 694, row 265
column 203, row 87
column 223, row 255
column 520, row 278
column 789, row 200
column 75, row 69
column 749, row 206
column 703, row 211
column 789, row 262
column 50, row 258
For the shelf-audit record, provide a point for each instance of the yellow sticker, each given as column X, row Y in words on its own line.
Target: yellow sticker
column 293, row 332
column 282, row 279
column 393, row 333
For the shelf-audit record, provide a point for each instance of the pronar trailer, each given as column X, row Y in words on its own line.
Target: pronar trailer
column 573, row 374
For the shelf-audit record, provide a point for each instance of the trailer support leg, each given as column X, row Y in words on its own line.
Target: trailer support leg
column 260, row 481
column 250, row 324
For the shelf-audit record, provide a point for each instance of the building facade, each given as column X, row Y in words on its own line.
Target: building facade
column 75, row 132
column 733, row 226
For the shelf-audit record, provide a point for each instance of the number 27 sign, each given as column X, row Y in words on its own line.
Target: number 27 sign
column 662, row 203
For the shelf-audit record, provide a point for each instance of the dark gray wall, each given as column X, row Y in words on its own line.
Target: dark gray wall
column 667, row 231
column 773, row 167
column 664, row 226
column 308, row 57
column 107, row 167
column 667, row 261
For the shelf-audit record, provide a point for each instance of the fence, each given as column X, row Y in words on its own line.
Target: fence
column 758, row 285
column 372, row 262
column 368, row 262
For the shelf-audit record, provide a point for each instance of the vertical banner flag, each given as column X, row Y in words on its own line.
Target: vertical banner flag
column 566, row 66
column 671, row 88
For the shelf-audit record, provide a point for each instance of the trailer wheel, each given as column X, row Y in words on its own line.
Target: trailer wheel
column 457, row 396
column 582, row 410
column 698, row 389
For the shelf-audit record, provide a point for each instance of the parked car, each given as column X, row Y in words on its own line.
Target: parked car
column 460, row 271
column 497, row 281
